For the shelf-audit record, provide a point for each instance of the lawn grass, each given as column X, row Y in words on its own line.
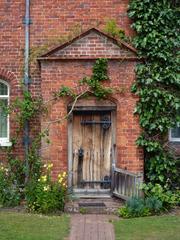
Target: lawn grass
column 18, row 226
column 148, row 228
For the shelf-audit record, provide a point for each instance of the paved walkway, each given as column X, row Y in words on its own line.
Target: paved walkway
column 91, row 227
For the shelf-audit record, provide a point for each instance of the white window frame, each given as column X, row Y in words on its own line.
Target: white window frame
column 173, row 139
column 6, row 141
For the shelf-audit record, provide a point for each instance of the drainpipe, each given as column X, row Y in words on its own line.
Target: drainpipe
column 26, row 83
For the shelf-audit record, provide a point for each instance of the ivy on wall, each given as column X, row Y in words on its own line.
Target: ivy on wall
column 99, row 74
column 157, row 84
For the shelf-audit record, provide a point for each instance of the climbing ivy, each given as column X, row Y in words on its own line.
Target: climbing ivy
column 96, row 88
column 157, row 84
column 99, row 75
column 26, row 108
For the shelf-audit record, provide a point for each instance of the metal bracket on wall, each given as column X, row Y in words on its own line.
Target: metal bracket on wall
column 27, row 80
column 27, row 21
column 26, row 140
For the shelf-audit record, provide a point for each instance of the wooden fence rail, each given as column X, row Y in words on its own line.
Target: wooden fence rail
column 126, row 184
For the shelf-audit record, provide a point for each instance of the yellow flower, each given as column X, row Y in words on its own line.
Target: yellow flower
column 46, row 188
column 64, row 185
column 64, row 174
column 60, row 180
column 1, row 167
column 50, row 165
column 44, row 178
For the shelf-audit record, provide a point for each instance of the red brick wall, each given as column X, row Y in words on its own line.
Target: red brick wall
column 15, row 91
column 93, row 44
column 69, row 73
column 54, row 19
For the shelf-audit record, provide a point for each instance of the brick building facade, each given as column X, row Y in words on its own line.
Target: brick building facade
column 68, row 63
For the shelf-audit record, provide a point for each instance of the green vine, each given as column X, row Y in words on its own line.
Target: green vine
column 26, row 108
column 115, row 31
column 99, row 75
column 157, row 85
column 94, row 82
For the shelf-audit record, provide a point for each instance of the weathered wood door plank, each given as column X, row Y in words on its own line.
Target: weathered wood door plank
column 95, row 142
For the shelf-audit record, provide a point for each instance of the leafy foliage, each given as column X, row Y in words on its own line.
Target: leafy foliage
column 138, row 207
column 94, row 82
column 114, row 30
column 153, row 204
column 34, row 159
column 168, row 197
column 156, row 23
column 99, row 75
column 9, row 188
column 43, row 195
column 134, row 208
column 26, row 108
column 157, row 85
column 64, row 91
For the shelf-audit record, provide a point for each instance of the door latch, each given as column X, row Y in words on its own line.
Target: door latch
column 80, row 152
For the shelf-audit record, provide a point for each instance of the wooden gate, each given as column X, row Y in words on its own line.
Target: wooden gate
column 91, row 150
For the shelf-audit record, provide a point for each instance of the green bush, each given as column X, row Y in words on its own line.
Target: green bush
column 44, row 195
column 153, row 204
column 157, row 199
column 139, row 207
column 135, row 207
column 10, row 195
column 163, row 194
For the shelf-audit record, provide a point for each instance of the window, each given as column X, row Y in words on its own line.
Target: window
column 4, row 118
column 174, row 133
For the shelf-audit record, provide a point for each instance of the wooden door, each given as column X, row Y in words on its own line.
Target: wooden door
column 92, row 138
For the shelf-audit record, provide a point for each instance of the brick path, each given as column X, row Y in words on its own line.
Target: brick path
column 91, row 227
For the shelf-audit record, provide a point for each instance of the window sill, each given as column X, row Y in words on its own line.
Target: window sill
column 5, row 144
column 174, row 140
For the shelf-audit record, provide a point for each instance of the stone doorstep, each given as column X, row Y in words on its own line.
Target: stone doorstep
column 111, row 206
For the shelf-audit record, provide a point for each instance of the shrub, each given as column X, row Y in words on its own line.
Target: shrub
column 138, row 207
column 163, row 194
column 10, row 195
column 135, row 207
column 44, row 195
column 153, row 204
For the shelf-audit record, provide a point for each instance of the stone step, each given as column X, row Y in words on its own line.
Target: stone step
column 94, row 205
